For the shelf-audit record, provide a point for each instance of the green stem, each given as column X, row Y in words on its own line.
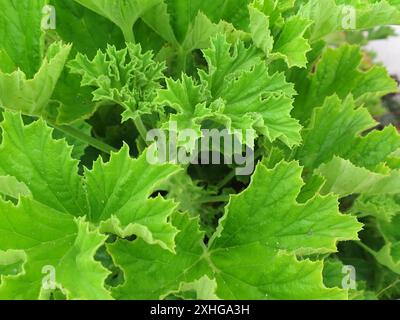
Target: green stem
column 388, row 287
column 141, row 128
column 71, row 131
column 366, row 248
column 129, row 35
column 182, row 61
column 362, row 215
column 228, row 178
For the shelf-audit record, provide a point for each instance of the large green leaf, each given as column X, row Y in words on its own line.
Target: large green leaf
column 119, row 198
column 247, row 254
column 338, row 72
column 336, row 129
column 237, row 91
column 44, row 165
column 20, row 34
column 87, row 30
column 267, row 212
column 50, row 241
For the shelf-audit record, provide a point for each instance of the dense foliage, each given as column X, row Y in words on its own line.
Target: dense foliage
column 84, row 215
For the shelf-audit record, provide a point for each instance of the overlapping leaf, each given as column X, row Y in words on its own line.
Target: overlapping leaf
column 44, row 165
column 336, row 131
column 237, row 91
column 31, row 96
column 127, row 77
column 115, row 195
column 289, row 42
column 119, row 191
column 20, row 32
column 50, row 242
column 338, row 72
column 330, row 15
column 247, row 255
column 123, row 13
column 84, row 28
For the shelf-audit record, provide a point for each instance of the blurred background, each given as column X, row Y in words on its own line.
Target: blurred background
column 383, row 46
column 388, row 51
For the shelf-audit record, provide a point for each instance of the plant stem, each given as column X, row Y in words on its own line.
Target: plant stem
column 128, row 35
column 366, row 248
column 182, row 61
column 141, row 128
column 71, row 131
column 227, row 179
column 388, row 287
column 362, row 215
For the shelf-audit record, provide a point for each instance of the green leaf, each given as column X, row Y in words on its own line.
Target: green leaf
column 243, row 256
column 199, row 33
column 11, row 187
column 261, row 101
column 237, row 91
column 161, row 271
column 79, row 146
column 250, row 271
column 290, row 45
column 383, row 207
column 182, row 14
column 201, row 289
column 188, row 99
column 127, row 77
column 87, row 30
column 260, row 31
column 334, row 274
column 44, row 165
column 225, row 62
column 351, row 163
column 51, row 242
column 333, row 130
column 11, row 262
column 119, row 198
column 375, row 13
column 31, row 96
column 326, row 16
column 344, row 178
column 71, row 102
column 389, row 254
column 331, row 16
column 20, row 33
column 338, row 72
column 278, row 221
column 260, row 273
column 121, row 12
